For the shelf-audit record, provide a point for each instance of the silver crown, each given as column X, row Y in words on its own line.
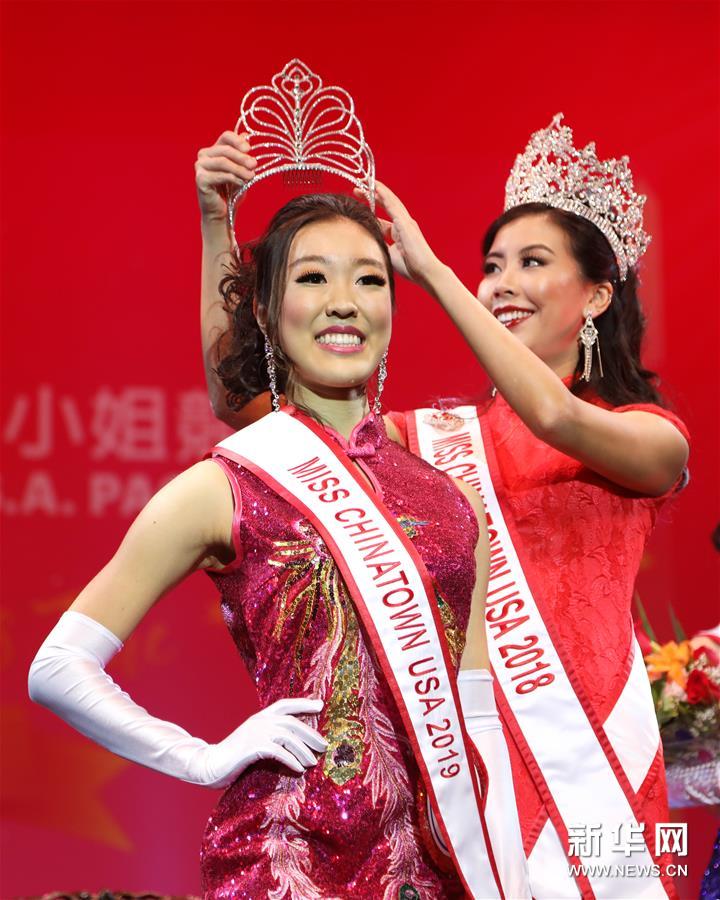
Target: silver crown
column 297, row 125
column 553, row 171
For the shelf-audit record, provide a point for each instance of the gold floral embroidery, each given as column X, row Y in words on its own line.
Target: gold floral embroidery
column 345, row 734
column 410, row 525
column 307, row 579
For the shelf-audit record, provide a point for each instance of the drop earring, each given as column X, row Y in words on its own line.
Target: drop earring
column 382, row 375
column 272, row 374
column 589, row 337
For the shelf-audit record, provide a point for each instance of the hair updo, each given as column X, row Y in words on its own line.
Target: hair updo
column 258, row 275
column 620, row 327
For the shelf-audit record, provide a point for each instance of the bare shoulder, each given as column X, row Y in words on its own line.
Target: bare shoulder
column 199, row 499
column 204, row 483
column 187, row 523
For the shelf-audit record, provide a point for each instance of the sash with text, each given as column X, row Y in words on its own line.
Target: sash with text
column 395, row 600
column 552, row 723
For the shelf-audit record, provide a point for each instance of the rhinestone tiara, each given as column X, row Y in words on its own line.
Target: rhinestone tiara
column 297, row 126
column 553, row 171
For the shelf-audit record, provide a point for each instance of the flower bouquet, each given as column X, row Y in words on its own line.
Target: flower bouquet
column 685, row 682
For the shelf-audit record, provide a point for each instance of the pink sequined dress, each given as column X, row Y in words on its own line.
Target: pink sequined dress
column 354, row 825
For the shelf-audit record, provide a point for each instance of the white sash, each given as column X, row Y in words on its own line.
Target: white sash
column 395, row 600
column 572, row 760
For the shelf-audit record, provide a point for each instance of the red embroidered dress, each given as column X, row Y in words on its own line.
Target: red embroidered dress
column 350, row 826
column 582, row 538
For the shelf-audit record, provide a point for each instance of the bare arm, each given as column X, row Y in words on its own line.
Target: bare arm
column 638, row 450
column 214, row 320
column 185, row 526
column 218, row 170
column 475, row 655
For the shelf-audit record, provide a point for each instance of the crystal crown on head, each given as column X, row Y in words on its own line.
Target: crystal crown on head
column 553, row 171
column 297, row 125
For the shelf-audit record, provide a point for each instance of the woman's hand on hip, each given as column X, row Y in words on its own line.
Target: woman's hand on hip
column 273, row 733
column 220, row 170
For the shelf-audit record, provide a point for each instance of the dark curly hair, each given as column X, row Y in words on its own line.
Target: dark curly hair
column 258, row 276
column 621, row 326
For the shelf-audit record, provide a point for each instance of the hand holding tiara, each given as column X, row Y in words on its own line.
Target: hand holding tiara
column 220, row 170
column 411, row 255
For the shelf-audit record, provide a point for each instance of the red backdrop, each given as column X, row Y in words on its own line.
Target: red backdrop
column 104, row 107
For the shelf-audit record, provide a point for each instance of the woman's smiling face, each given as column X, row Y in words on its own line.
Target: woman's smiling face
column 534, row 286
column 336, row 315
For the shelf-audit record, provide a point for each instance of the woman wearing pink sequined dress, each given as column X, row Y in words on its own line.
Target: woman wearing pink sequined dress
column 357, row 778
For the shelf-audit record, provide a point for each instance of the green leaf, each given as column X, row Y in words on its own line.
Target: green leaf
column 657, row 689
column 644, row 621
column 678, row 630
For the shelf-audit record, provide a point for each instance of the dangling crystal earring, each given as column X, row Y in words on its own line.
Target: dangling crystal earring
column 588, row 337
column 272, row 374
column 382, row 375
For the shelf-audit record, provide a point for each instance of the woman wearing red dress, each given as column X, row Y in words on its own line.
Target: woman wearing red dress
column 576, row 454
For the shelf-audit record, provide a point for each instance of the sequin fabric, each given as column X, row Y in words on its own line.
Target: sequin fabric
column 583, row 538
column 351, row 826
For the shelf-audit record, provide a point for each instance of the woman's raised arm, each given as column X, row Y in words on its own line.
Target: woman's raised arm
column 637, row 450
column 218, row 170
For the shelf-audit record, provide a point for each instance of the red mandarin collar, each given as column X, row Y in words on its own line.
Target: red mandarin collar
column 365, row 438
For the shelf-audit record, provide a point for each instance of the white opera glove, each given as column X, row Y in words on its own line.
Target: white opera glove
column 485, row 730
column 68, row 676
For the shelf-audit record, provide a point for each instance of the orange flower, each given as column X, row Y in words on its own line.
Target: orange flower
column 671, row 659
